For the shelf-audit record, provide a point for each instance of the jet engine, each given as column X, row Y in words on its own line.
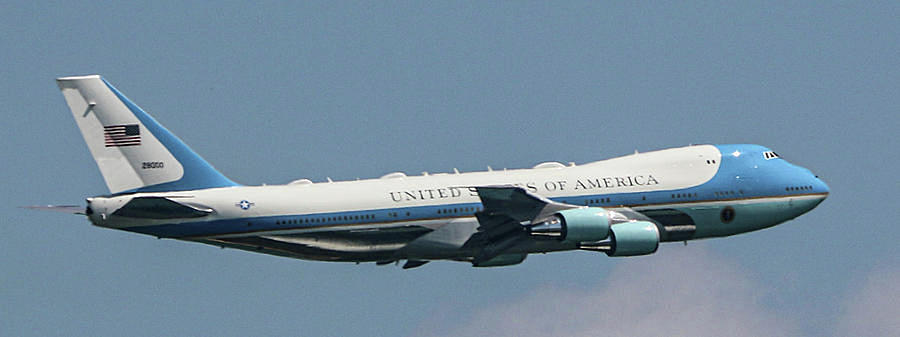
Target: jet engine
column 627, row 239
column 574, row 225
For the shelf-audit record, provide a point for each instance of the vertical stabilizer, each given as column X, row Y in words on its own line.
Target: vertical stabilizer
column 133, row 151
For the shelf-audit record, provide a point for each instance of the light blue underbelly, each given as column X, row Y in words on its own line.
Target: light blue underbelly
column 748, row 215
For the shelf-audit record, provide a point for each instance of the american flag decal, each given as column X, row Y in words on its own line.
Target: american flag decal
column 122, row 135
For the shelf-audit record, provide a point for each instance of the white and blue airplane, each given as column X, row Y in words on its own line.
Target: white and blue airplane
column 622, row 206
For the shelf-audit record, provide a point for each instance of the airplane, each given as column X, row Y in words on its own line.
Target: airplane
column 624, row 206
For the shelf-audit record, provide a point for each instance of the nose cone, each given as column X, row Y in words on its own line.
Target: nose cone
column 815, row 190
column 804, row 176
column 820, row 188
column 823, row 188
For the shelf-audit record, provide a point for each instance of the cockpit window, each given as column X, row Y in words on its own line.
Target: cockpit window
column 770, row 155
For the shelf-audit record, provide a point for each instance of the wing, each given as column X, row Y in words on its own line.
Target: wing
column 506, row 210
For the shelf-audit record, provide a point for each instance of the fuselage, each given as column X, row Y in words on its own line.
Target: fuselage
column 692, row 192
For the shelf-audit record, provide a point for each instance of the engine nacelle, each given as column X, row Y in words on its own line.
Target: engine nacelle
column 575, row 225
column 628, row 239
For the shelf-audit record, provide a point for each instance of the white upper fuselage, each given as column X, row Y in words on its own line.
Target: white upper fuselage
column 694, row 180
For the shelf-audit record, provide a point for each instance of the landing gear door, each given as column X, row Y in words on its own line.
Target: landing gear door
column 676, row 225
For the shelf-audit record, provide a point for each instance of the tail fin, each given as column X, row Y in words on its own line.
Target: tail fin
column 133, row 151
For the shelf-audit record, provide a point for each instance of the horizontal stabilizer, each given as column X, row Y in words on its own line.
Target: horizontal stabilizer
column 160, row 208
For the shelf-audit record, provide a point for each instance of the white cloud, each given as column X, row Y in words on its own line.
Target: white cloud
column 682, row 291
column 874, row 308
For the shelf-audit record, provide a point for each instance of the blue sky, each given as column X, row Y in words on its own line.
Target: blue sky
column 275, row 91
